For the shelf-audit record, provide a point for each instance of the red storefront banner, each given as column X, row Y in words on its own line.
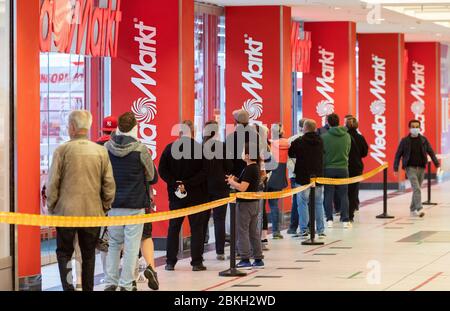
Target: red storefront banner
column 84, row 28
column 301, row 48
column 423, row 98
column 381, row 98
column 258, row 72
column 148, row 79
column 330, row 84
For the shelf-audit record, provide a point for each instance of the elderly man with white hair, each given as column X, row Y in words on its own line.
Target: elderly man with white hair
column 81, row 183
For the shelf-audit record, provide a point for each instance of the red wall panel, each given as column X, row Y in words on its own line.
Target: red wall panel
column 258, row 72
column 381, row 98
column 423, row 98
column 330, row 85
column 153, row 75
column 28, row 134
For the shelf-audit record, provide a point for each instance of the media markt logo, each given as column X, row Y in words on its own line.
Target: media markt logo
column 325, row 84
column 418, row 92
column 145, row 108
column 253, row 78
column 324, row 108
column 254, row 108
column 378, row 109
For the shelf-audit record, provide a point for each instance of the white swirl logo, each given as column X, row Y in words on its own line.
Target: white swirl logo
column 378, row 107
column 254, row 108
column 418, row 108
column 324, row 108
column 144, row 109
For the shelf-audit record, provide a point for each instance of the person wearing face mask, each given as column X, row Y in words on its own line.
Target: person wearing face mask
column 413, row 151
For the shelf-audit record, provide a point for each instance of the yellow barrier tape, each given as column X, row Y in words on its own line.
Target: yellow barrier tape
column 71, row 221
column 352, row 180
column 272, row 195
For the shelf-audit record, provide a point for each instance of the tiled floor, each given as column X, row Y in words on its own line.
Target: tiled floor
column 396, row 254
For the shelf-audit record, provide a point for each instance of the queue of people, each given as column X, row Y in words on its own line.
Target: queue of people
column 115, row 176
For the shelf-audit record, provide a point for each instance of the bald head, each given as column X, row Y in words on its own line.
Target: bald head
column 309, row 126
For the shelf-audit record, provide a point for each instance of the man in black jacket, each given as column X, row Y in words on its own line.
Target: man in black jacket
column 413, row 151
column 181, row 167
column 308, row 154
column 217, row 167
column 358, row 150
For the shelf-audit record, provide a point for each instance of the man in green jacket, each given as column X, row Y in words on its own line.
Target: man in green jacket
column 337, row 143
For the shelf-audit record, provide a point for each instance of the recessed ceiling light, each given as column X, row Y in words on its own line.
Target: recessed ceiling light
column 337, row 8
column 412, row 27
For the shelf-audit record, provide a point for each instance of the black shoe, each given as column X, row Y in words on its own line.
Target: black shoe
column 110, row 288
column 152, row 278
column 200, row 267
column 292, row 231
column 134, row 284
column 170, row 267
column 134, row 289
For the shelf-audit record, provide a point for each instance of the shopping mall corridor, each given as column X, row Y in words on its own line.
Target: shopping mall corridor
column 404, row 253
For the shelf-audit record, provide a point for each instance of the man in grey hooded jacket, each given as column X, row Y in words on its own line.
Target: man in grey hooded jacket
column 133, row 170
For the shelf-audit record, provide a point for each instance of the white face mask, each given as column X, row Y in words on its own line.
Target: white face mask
column 414, row 132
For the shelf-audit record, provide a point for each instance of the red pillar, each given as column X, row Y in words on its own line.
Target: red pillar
column 27, row 152
column 258, row 47
column 153, row 76
column 330, row 86
column 423, row 89
column 382, row 98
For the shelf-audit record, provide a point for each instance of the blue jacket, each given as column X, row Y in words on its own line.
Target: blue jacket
column 404, row 152
column 133, row 170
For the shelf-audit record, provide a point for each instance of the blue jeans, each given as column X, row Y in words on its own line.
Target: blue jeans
column 294, row 210
column 303, row 210
column 129, row 237
column 274, row 215
column 342, row 194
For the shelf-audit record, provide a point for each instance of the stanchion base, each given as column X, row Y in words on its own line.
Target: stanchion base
column 232, row 272
column 385, row 216
column 311, row 242
column 429, row 203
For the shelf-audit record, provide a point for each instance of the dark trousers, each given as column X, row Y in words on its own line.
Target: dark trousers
column 294, row 210
column 87, row 239
column 197, row 224
column 265, row 225
column 342, row 192
column 353, row 200
column 219, row 216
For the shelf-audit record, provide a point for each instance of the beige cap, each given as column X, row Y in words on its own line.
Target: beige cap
column 241, row 116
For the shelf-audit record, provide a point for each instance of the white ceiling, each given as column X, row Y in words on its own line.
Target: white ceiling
column 405, row 16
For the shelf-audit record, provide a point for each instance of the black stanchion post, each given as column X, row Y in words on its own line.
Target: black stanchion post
column 385, row 196
column 232, row 271
column 312, row 217
column 428, row 202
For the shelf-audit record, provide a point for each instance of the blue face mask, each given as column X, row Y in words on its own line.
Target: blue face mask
column 414, row 132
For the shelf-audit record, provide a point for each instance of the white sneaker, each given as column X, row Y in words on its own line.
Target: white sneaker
column 417, row 214
column 330, row 224
column 347, row 225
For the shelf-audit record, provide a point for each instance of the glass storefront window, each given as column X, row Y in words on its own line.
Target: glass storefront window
column 4, row 124
column 62, row 90
column 209, row 41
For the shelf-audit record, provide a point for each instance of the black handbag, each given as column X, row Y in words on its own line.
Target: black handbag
column 102, row 241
